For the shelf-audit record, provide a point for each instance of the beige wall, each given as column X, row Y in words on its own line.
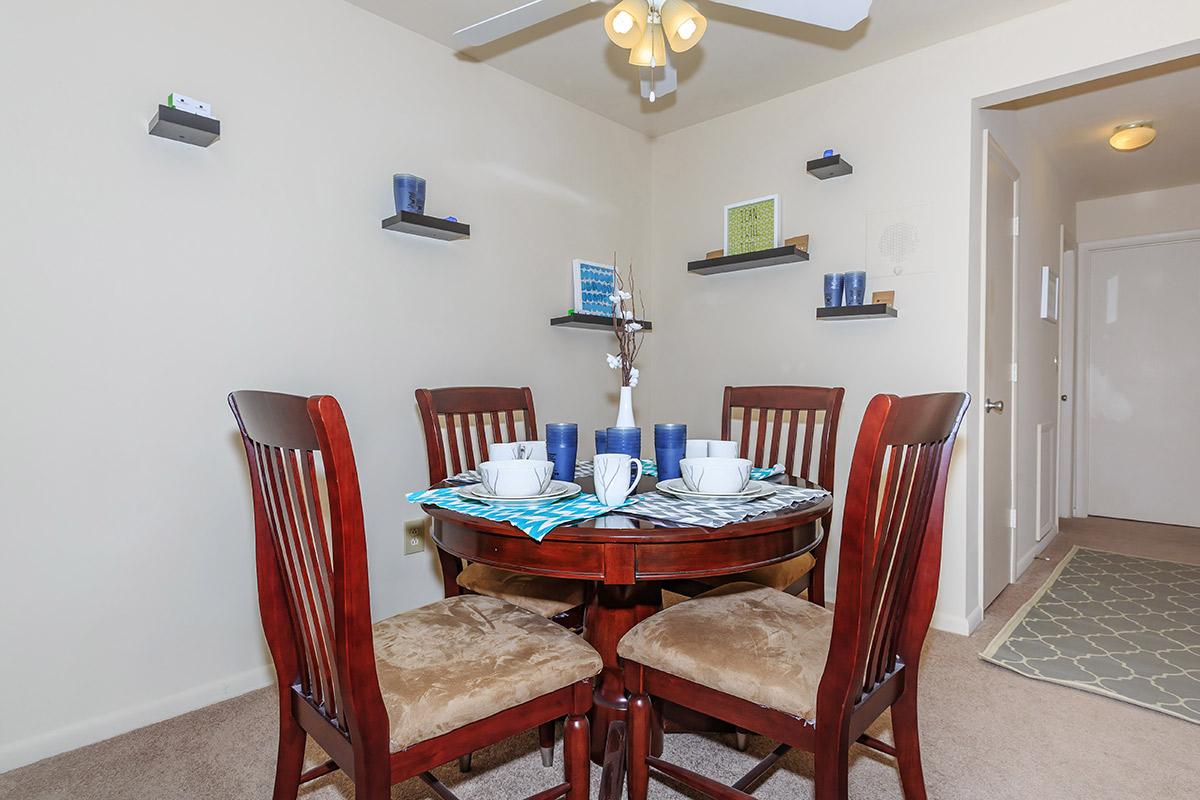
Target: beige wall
column 144, row 279
column 906, row 126
column 1140, row 214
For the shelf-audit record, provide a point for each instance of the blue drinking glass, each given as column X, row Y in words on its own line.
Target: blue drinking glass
column 562, row 446
column 856, row 288
column 601, row 441
column 625, row 440
column 834, row 282
column 670, row 441
column 409, row 192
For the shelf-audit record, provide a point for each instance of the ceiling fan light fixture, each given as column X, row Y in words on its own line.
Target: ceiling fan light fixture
column 626, row 22
column 1133, row 136
column 682, row 24
column 651, row 51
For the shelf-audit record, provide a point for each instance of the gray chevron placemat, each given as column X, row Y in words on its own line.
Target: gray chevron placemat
column 709, row 514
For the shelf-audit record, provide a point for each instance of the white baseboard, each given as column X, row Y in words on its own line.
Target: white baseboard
column 957, row 623
column 90, row 731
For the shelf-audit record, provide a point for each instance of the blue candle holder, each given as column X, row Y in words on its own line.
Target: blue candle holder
column 409, row 193
column 834, row 282
column 670, row 442
column 562, row 447
column 856, row 288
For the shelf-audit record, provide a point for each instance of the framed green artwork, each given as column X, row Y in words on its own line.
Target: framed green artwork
column 752, row 225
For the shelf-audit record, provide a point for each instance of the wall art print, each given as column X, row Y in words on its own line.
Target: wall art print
column 595, row 284
column 752, row 225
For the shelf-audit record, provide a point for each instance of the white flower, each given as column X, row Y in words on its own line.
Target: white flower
column 633, row 327
column 624, row 295
column 633, row 376
column 612, row 298
column 614, row 362
column 628, row 315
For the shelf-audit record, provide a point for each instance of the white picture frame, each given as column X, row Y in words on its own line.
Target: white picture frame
column 593, row 284
column 1050, row 291
column 777, row 238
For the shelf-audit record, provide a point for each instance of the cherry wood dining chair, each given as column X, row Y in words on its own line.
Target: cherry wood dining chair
column 771, row 420
column 460, row 422
column 768, row 662
column 392, row 700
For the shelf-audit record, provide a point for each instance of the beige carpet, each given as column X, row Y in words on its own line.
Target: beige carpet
column 988, row 734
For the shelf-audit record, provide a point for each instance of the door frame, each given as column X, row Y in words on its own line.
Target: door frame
column 1083, row 306
column 991, row 148
column 1068, row 358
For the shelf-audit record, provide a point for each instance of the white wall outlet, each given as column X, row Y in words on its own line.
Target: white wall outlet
column 414, row 535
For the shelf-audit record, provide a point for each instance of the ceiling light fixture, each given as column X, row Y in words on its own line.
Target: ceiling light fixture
column 1133, row 136
column 626, row 22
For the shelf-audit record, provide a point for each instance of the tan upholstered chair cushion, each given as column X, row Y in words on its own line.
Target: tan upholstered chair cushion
column 755, row 643
column 462, row 659
column 777, row 576
column 541, row 595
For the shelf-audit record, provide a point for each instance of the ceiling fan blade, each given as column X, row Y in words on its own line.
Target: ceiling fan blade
column 841, row 15
column 519, row 18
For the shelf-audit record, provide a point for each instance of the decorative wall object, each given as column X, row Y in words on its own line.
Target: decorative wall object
column 1049, row 295
column 409, row 193
column 883, row 298
column 595, row 284
column 900, row 241
column 834, row 284
column 856, row 288
column 752, row 225
column 830, row 165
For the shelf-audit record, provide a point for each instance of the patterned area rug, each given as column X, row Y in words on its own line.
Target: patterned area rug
column 1123, row 627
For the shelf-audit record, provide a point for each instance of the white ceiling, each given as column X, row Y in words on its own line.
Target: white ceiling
column 744, row 59
column 1074, row 125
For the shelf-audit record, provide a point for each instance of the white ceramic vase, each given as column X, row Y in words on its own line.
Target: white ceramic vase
column 625, row 409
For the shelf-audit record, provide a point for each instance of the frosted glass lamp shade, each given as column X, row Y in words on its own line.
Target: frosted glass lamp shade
column 626, row 22
column 682, row 25
column 651, row 51
column 1133, row 136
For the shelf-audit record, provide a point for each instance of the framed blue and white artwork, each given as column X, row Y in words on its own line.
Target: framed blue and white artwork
column 594, row 286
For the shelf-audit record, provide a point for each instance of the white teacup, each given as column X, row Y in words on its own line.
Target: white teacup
column 512, row 451
column 715, row 475
column 516, row 478
column 611, row 473
column 710, row 448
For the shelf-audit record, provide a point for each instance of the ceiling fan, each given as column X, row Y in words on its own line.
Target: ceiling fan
column 652, row 29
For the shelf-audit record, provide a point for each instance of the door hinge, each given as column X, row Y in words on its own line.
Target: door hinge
column 1013, row 377
column 1016, row 226
column 1012, row 518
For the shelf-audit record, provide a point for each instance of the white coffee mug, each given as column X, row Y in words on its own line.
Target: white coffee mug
column 710, row 448
column 715, row 475
column 516, row 477
column 512, row 451
column 611, row 472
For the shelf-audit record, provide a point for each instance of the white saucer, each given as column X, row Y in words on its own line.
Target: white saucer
column 753, row 491
column 557, row 490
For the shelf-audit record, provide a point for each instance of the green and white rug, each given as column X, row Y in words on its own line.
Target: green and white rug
column 1124, row 627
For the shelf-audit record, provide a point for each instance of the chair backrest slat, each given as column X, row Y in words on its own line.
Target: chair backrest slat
column 890, row 551
column 463, row 412
column 312, row 576
column 769, row 407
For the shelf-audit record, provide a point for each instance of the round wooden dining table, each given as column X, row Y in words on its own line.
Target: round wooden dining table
column 627, row 559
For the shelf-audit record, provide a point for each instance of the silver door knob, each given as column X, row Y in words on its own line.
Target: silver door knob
column 993, row 405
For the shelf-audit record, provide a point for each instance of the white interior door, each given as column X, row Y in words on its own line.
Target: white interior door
column 999, row 256
column 1066, row 384
column 1143, row 376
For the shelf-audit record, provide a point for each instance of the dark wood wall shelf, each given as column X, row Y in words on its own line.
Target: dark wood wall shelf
column 829, row 167
column 760, row 258
column 184, row 126
column 593, row 322
column 872, row 311
column 429, row 227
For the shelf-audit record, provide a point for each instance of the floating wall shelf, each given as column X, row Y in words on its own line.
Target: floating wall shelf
column 184, row 126
column 873, row 311
column 593, row 322
column 429, row 227
column 829, row 167
column 760, row 258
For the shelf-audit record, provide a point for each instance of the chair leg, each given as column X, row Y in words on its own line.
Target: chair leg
column 464, row 763
column 908, row 744
column 831, row 765
column 577, row 763
column 546, row 743
column 639, row 720
column 290, row 760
